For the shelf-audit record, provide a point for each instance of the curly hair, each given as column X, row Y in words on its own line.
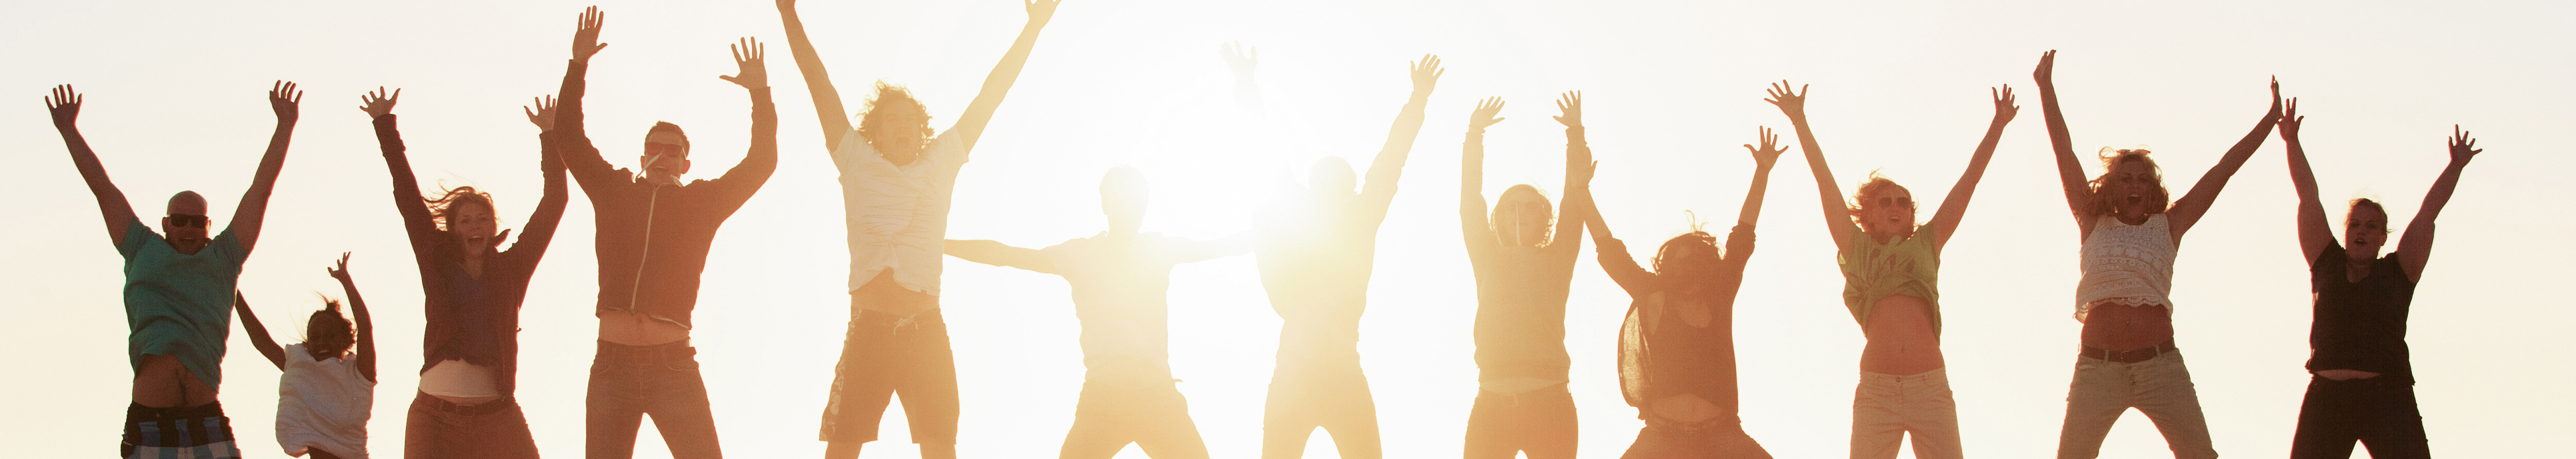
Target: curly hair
column 2112, row 159
column 442, row 207
column 891, row 100
column 1872, row 187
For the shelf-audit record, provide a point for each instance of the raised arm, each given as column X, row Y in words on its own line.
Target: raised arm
column 1578, row 177
column 542, row 223
column 827, row 99
column 282, row 99
column 65, row 105
column 1837, row 215
column 366, row 323
column 2070, row 171
column 417, row 222
column 1242, row 60
column 1763, row 158
column 259, row 338
column 1471, row 179
column 998, row 254
column 1945, row 222
column 746, row 177
column 2187, row 211
column 2315, row 235
column 580, row 157
column 1379, row 191
column 979, row 112
column 1614, row 258
column 2417, row 244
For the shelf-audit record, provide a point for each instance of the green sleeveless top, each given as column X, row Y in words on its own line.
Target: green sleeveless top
column 1908, row 266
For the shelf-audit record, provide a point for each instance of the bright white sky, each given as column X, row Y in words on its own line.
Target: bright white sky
column 174, row 103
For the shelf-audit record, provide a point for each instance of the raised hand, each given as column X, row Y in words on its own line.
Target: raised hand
column 749, row 54
column 1571, row 103
column 2290, row 118
column 65, row 105
column 282, row 98
column 585, row 40
column 377, row 104
column 1040, row 11
column 1426, row 72
column 1484, row 114
column 2046, row 73
column 1240, row 58
column 543, row 115
column 2462, row 146
column 1793, row 103
column 2004, row 107
column 341, row 272
column 1770, row 151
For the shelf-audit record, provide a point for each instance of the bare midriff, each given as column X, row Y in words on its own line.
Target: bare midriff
column 1901, row 340
column 1684, row 408
column 638, row 329
column 2117, row 327
column 161, row 382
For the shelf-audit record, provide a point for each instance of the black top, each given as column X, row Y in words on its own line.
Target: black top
column 472, row 319
column 1671, row 357
column 2360, row 325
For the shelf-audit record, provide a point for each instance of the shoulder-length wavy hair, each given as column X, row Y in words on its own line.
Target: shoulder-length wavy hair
column 2112, row 159
column 443, row 206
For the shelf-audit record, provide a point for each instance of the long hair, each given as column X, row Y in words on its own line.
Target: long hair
column 888, row 101
column 1506, row 206
column 443, row 207
column 1868, row 188
column 2112, row 159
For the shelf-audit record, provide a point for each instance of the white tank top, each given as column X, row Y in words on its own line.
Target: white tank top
column 2127, row 264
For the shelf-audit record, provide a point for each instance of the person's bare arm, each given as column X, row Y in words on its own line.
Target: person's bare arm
column 2314, row 233
column 1945, row 222
column 2070, row 171
column 1837, row 216
column 2417, row 245
column 979, row 112
column 1471, row 179
column 1613, row 255
column 818, row 82
column 2187, row 210
column 1763, row 158
column 1378, row 192
column 1578, row 179
column 737, row 184
column 366, row 323
column 65, row 105
column 282, row 99
column 998, row 254
column 259, row 338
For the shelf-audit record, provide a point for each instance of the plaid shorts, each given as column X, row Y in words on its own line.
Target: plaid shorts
column 197, row 432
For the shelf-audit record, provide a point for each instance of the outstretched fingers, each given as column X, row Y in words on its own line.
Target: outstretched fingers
column 2463, row 147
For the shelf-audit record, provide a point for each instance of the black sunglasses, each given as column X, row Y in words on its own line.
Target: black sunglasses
column 1896, row 202
column 186, row 220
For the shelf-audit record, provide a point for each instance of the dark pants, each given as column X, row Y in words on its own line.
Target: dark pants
column 1694, row 440
column 2378, row 412
column 884, row 356
column 437, row 429
column 199, row 431
column 1539, row 422
column 1155, row 418
column 1305, row 396
column 628, row 382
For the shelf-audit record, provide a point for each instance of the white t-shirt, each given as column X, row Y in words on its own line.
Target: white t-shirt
column 323, row 405
column 898, row 215
column 1119, row 287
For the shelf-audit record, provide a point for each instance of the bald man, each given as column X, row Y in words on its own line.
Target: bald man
column 178, row 291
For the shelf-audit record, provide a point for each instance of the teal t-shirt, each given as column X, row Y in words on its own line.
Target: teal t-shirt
column 180, row 305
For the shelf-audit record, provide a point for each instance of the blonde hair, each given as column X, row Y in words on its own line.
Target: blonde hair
column 2103, row 203
column 1520, row 193
column 874, row 118
column 1872, row 187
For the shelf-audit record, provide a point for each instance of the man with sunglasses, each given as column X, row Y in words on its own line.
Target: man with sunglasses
column 654, row 231
column 178, row 291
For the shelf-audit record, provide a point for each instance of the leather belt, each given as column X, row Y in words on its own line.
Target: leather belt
column 2134, row 356
column 646, row 355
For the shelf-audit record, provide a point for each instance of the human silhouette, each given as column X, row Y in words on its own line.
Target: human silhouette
column 1677, row 346
column 2363, row 384
column 178, row 289
column 471, row 291
column 896, row 178
column 1522, row 276
column 1119, row 280
column 1315, row 265
column 653, row 234
column 2130, row 233
column 327, row 388
column 1891, row 270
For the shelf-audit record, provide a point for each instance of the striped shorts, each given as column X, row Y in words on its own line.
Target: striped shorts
column 197, row 432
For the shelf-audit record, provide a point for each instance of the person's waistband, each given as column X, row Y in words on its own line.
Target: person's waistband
column 138, row 412
column 653, row 354
column 1721, row 425
column 2130, row 356
column 1942, row 373
column 431, row 402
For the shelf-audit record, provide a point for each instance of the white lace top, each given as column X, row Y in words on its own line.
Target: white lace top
column 898, row 215
column 2127, row 264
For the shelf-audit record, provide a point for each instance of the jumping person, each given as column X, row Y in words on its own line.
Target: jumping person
column 896, row 178
column 1316, row 269
column 1522, row 276
column 2363, row 385
column 1891, row 270
column 178, row 290
column 471, row 290
column 2130, row 233
column 654, row 231
column 328, row 386
column 1677, row 346
column 1119, row 278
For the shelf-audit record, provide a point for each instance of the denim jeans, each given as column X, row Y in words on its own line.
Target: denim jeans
column 2159, row 387
column 1539, row 422
column 628, row 382
column 1886, row 408
column 2378, row 412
